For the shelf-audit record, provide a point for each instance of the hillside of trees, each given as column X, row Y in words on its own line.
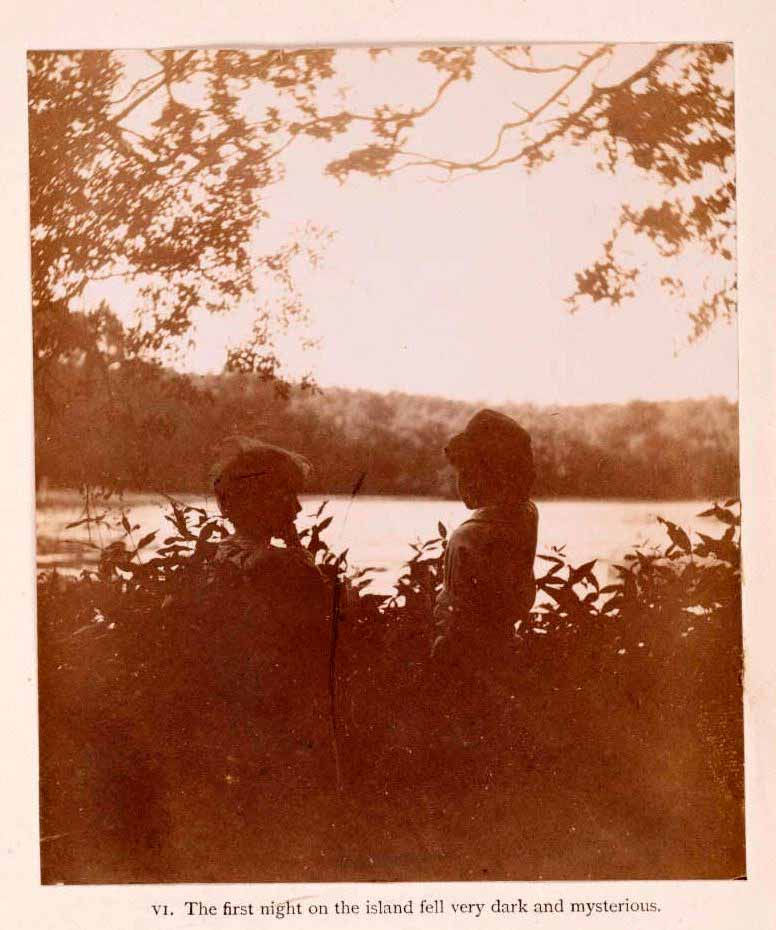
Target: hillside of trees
column 142, row 427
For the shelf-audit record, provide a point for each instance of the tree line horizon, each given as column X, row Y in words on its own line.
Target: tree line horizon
column 158, row 430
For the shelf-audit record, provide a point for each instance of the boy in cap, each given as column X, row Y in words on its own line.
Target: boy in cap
column 488, row 587
column 257, row 485
column 273, row 601
column 489, row 581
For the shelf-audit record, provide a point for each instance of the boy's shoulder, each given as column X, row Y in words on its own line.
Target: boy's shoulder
column 488, row 523
column 243, row 553
column 514, row 514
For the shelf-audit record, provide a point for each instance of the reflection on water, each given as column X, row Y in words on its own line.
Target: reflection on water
column 378, row 530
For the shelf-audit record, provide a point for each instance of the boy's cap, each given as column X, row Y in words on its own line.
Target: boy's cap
column 242, row 458
column 490, row 434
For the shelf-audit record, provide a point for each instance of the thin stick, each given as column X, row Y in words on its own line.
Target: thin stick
column 335, row 611
column 335, row 619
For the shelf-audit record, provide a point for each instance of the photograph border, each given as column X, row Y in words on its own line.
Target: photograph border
column 52, row 25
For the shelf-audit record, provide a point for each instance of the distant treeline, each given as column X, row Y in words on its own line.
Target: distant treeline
column 145, row 428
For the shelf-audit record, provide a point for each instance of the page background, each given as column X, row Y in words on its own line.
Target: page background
column 56, row 24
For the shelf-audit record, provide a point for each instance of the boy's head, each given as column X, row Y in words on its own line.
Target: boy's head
column 494, row 460
column 257, row 486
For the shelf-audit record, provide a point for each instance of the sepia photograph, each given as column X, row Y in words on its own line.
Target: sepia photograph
column 387, row 463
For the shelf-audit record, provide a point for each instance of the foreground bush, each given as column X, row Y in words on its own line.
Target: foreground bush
column 622, row 724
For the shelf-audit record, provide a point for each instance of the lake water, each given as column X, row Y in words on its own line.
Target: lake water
column 378, row 530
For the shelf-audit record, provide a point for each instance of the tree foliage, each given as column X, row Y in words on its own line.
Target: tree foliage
column 671, row 118
column 153, row 175
column 156, row 181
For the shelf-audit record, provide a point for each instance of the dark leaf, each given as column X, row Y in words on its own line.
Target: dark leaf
column 583, row 571
column 552, row 582
column 146, row 540
column 677, row 535
column 608, row 589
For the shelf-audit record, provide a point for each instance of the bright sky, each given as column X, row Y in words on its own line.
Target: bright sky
column 457, row 289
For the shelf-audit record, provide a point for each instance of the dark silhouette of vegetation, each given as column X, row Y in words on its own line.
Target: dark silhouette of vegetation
column 156, row 431
column 610, row 684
